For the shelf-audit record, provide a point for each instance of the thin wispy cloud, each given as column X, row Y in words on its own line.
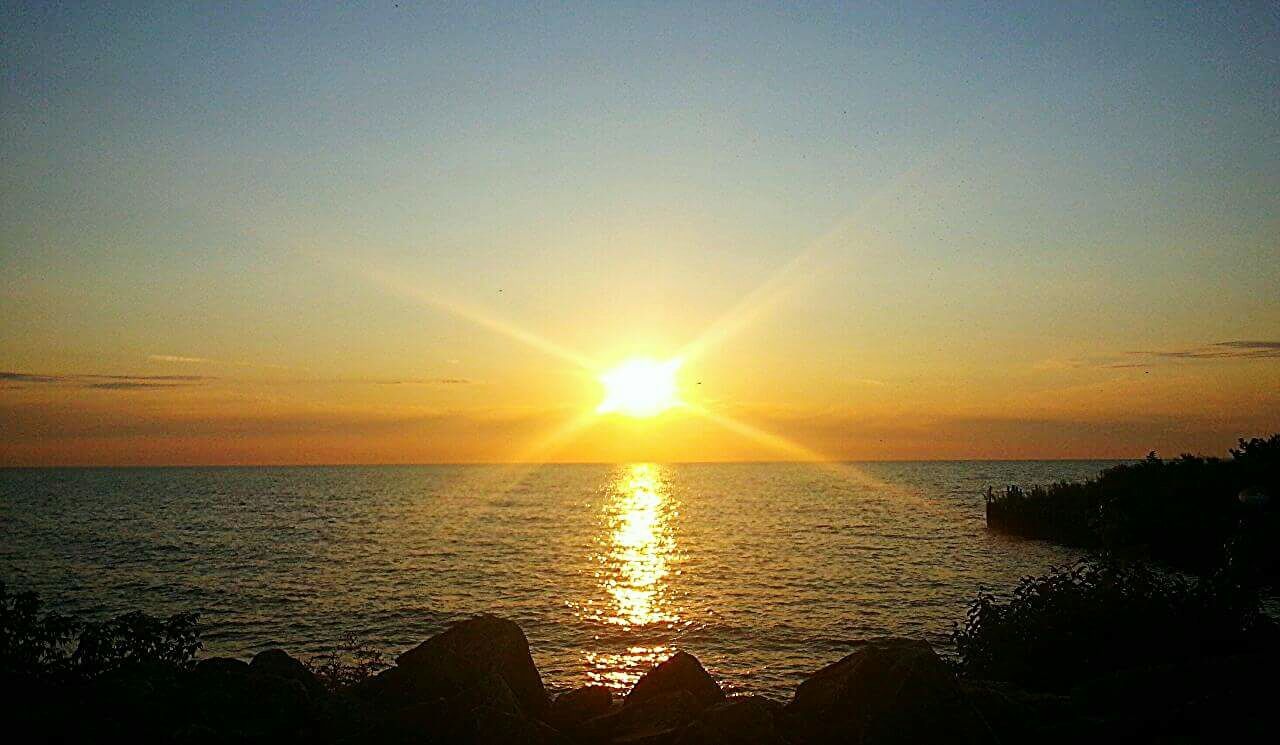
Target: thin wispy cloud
column 427, row 381
column 146, row 378
column 28, row 377
column 102, row 382
column 447, row 381
column 189, row 360
column 1222, row 350
column 130, row 385
column 177, row 358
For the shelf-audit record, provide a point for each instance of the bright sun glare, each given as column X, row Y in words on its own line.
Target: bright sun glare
column 640, row 388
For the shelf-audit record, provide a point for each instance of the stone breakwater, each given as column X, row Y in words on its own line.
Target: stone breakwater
column 476, row 683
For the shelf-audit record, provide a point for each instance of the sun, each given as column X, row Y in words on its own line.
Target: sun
column 640, row 388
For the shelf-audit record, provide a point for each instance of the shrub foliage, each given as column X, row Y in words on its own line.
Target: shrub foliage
column 1099, row 615
column 1181, row 511
column 351, row 661
column 36, row 644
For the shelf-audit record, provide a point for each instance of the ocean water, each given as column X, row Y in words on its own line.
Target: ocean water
column 764, row 571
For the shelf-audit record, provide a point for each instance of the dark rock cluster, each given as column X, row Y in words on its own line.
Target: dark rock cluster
column 476, row 683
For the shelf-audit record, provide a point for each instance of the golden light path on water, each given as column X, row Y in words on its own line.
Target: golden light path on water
column 637, row 555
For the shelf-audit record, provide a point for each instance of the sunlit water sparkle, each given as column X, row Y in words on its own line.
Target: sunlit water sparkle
column 764, row 571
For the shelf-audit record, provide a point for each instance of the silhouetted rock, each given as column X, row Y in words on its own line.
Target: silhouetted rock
column 484, row 726
column 445, row 680
column 230, row 698
column 457, row 688
column 679, row 672
column 473, row 716
column 888, row 690
column 279, row 663
column 452, row 691
column 221, row 666
column 572, row 708
column 447, row 662
column 657, row 718
column 742, row 720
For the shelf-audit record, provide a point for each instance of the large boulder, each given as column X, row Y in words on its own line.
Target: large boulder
column 228, row 697
column 486, row 727
column 741, row 720
column 679, row 672
column 279, row 663
column 219, row 666
column 659, row 718
column 465, row 719
column 888, row 690
column 444, row 680
column 448, row 663
column 572, row 708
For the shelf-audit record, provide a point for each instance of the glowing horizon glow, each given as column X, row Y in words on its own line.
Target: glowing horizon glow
column 640, row 388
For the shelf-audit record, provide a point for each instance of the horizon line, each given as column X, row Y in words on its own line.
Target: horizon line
column 478, row 463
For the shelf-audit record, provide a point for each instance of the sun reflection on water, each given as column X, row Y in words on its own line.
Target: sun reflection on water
column 637, row 559
column 641, row 546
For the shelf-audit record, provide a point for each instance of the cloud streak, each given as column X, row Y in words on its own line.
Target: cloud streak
column 127, row 385
column 1224, row 350
column 178, row 358
column 427, row 381
column 102, row 382
column 187, row 360
column 29, row 378
column 11, row 380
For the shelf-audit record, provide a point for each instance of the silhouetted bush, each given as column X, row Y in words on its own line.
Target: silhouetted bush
column 137, row 638
column 1181, row 511
column 32, row 643
column 53, row 646
column 1100, row 615
column 351, row 661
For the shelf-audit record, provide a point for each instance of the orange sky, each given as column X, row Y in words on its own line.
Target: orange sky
column 919, row 234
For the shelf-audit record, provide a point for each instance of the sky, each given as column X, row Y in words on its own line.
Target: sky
column 401, row 232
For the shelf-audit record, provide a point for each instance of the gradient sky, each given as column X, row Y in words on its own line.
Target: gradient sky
column 384, row 232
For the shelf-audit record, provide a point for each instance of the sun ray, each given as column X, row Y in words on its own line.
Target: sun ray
column 405, row 290
column 553, row 439
column 519, row 465
column 845, row 471
column 769, row 294
column 805, row 265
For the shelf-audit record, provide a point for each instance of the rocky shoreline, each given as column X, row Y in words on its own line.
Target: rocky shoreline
column 476, row 682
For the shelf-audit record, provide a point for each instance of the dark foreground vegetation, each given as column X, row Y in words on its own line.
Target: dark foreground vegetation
column 1192, row 512
column 1100, row 650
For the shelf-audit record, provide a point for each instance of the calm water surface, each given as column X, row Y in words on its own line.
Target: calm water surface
column 764, row 571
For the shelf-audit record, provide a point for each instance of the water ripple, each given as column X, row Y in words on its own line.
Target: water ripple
column 766, row 572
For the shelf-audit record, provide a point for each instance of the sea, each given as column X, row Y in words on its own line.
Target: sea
column 764, row 571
